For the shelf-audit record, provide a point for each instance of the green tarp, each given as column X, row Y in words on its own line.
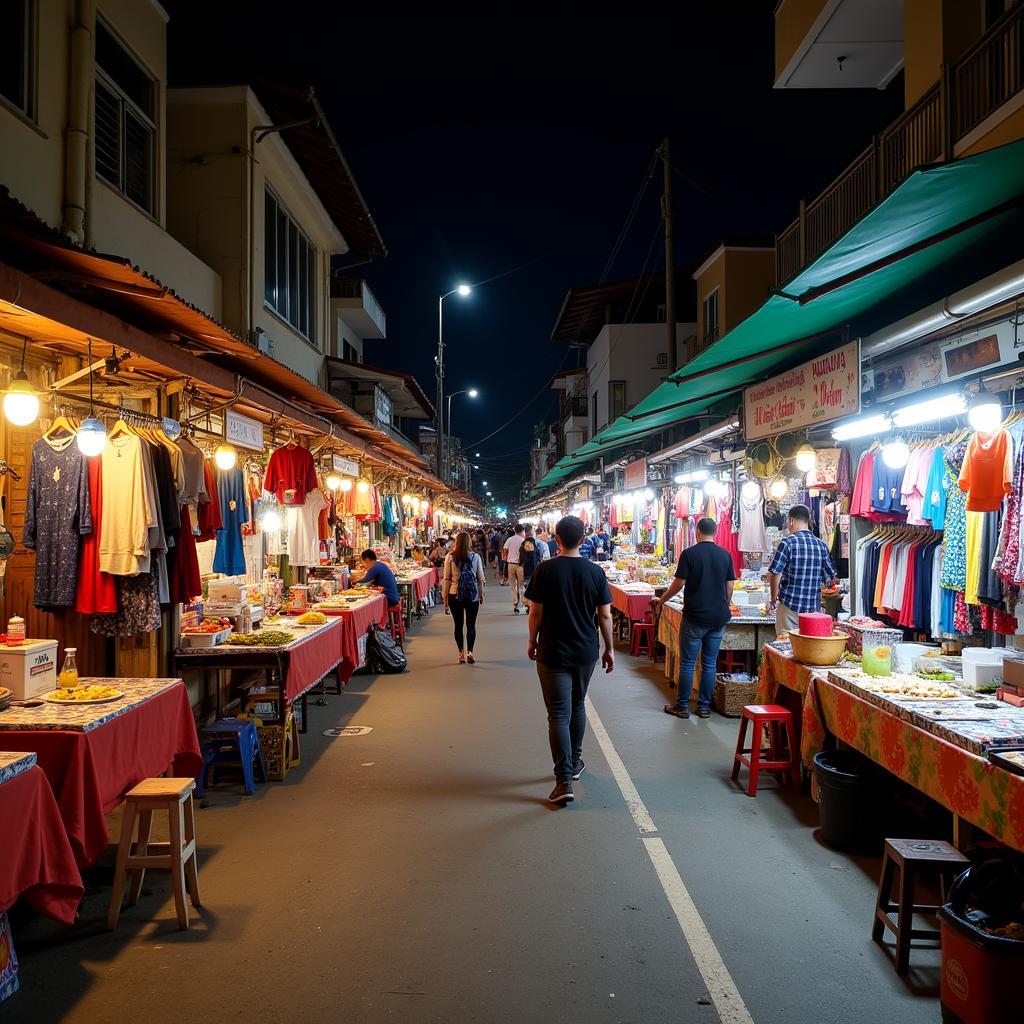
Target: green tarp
column 966, row 223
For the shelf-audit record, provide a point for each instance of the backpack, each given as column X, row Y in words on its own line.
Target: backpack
column 467, row 589
column 528, row 556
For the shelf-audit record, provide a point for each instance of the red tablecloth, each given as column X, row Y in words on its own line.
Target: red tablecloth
column 36, row 859
column 423, row 582
column 355, row 622
column 636, row 607
column 90, row 772
column 312, row 658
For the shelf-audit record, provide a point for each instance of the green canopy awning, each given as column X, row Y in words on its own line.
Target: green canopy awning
column 941, row 229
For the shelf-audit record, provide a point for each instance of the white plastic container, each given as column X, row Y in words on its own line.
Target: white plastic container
column 982, row 665
column 904, row 656
column 205, row 639
column 30, row 668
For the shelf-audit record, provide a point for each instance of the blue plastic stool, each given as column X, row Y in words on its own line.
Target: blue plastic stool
column 231, row 742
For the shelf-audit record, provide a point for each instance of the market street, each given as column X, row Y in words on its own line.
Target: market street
column 416, row 873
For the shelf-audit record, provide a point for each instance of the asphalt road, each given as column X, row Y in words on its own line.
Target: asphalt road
column 416, row 873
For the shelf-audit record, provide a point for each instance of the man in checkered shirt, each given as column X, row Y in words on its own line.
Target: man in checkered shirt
column 800, row 566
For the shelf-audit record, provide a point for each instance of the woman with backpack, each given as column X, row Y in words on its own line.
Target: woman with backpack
column 463, row 590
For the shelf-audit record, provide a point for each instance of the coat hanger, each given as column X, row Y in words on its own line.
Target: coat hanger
column 61, row 423
column 119, row 428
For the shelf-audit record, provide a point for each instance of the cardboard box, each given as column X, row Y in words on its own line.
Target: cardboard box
column 1013, row 671
column 30, row 668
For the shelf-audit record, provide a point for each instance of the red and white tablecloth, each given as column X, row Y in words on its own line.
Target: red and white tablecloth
column 636, row 607
column 93, row 755
column 355, row 622
column 36, row 859
column 423, row 582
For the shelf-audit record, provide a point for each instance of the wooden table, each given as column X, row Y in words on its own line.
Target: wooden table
column 93, row 754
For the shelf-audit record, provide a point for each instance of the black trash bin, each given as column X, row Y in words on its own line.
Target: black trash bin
column 845, row 799
column 981, row 969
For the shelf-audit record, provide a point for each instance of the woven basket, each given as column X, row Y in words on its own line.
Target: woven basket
column 730, row 697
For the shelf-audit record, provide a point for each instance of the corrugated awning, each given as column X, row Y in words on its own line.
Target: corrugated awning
column 942, row 228
column 407, row 397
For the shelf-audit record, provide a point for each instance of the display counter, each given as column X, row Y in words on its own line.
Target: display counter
column 743, row 633
column 93, row 754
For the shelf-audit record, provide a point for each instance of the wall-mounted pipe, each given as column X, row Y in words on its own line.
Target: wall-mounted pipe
column 81, row 80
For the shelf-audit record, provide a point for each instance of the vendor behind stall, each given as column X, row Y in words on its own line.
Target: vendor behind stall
column 800, row 566
column 379, row 575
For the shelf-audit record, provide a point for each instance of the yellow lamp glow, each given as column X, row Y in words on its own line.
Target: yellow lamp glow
column 346, row 484
column 806, row 458
column 21, row 403
column 333, row 481
column 225, row 457
column 363, row 486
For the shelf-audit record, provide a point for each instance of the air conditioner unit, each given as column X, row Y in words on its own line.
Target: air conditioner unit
column 264, row 343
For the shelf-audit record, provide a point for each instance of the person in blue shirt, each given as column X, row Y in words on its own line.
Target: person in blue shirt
column 379, row 575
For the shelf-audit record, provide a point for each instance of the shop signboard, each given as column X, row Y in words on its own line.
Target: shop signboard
column 343, row 465
column 243, row 431
column 635, row 474
column 821, row 390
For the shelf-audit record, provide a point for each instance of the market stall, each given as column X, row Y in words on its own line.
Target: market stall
column 38, row 862
column 937, row 744
column 92, row 754
column 416, row 586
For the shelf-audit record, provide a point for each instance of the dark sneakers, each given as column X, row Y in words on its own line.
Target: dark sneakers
column 578, row 769
column 703, row 712
column 675, row 709
column 562, row 794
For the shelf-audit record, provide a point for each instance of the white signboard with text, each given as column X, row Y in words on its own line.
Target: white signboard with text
column 243, row 431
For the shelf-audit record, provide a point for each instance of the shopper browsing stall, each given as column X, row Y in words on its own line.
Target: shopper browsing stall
column 379, row 575
column 800, row 566
column 705, row 575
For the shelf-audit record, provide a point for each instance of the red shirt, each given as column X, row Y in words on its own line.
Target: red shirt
column 290, row 475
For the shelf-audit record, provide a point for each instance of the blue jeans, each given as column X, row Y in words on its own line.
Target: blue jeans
column 694, row 639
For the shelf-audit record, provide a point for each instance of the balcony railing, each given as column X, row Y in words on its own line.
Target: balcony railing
column 980, row 82
column 574, row 405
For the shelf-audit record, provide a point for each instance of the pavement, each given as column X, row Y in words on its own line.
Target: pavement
column 416, row 873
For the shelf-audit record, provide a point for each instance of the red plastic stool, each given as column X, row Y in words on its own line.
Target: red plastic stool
column 396, row 623
column 641, row 635
column 773, row 759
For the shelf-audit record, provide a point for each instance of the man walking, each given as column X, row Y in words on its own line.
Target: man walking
column 801, row 564
column 531, row 553
column 565, row 594
column 706, row 576
column 515, row 570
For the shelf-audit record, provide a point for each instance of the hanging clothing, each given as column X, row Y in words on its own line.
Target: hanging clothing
column 57, row 515
column 229, row 557
column 210, row 519
column 725, row 538
column 139, row 608
column 290, row 474
column 186, row 584
column 303, row 530
column 124, row 542
column 987, row 471
column 97, row 591
column 194, row 473
column 752, row 535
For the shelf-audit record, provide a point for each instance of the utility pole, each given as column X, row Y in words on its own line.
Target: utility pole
column 440, row 390
column 670, row 282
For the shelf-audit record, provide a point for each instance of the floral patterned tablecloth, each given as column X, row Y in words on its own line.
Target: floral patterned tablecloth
column 744, row 633
column 966, row 784
column 13, row 763
column 86, row 717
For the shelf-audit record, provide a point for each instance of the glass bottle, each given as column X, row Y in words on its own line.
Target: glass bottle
column 68, row 678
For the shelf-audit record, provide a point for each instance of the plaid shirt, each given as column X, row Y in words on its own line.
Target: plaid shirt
column 804, row 563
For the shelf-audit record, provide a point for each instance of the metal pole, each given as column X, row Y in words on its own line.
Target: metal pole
column 440, row 389
column 670, row 283
column 449, row 422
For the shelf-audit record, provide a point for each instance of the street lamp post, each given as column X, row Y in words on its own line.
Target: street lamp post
column 472, row 392
column 463, row 290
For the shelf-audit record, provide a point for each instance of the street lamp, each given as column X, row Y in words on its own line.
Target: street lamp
column 462, row 290
column 472, row 392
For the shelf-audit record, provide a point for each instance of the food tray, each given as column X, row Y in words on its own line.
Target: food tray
column 1010, row 758
column 205, row 639
column 46, row 698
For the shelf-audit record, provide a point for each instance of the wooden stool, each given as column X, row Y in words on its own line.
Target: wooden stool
column 178, row 856
column 641, row 636
column 777, row 719
column 912, row 857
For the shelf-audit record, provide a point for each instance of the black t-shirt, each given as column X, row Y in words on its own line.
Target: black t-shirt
column 706, row 567
column 571, row 590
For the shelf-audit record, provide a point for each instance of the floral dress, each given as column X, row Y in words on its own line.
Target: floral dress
column 954, row 564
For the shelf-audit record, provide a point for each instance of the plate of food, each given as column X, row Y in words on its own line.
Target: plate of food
column 84, row 695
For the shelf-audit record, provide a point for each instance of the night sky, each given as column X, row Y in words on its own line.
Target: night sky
column 485, row 143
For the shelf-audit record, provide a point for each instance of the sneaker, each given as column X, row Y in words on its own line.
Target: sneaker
column 470, row 658
column 578, row 769
column 703, row 712
column 562, row 794
column 675, row 709
column 515, row 609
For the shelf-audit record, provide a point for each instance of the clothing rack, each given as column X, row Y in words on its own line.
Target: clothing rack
column 128, row 415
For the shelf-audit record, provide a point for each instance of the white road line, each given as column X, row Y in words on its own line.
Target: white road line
column 721, row 988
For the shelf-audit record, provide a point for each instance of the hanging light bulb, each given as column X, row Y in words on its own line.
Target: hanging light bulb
column 648, row 494
column 91, row 437
column 750, row 491
column 225, row 457
column 21, row 403
column 363, row 486
column 984, row 413
column 271, row 521
column 778, row 488
column 333, row 481
column 806, row 458
column 895, row 453
column 346, row 484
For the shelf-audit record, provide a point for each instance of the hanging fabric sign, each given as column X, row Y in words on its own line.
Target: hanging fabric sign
column 242, row 430
column 635, row 474
column 821, row 390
